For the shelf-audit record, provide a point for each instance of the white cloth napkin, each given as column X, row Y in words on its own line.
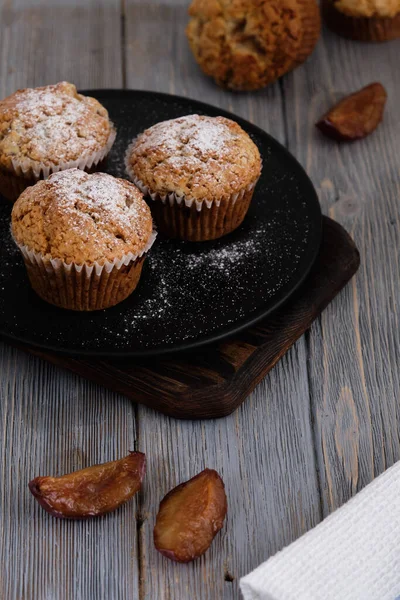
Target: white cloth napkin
column 354, row 554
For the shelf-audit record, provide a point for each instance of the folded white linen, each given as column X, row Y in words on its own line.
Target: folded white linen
column 354, row 554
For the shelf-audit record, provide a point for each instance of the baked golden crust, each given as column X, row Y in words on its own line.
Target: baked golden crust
column 368, row 8
column 247, row 44
column 199, row 157
column 81, row 218
column 50, row 126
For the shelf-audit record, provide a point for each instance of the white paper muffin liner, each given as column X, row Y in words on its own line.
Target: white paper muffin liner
column 173, row 198
column 108, row 266
column 83, row 286
column 30, row 169
column 203, row 220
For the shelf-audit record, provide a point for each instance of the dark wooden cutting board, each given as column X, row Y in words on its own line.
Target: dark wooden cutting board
column 214, row 381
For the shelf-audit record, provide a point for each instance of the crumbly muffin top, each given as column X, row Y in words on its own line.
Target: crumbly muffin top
column 368, row 8
column 247, row 44
column 82, row 218
column 51, row 125
column 195, row 156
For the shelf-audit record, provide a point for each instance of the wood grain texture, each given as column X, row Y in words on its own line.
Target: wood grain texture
column 213, row 382
column 354, row 347
column 257, row 451
column 51, row 421
column 46, row 41
column 46, row 430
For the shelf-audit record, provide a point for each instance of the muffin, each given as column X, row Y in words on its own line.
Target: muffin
column 200, row 173
column 83, row 238
column 50, row 129
column 248, row 44
column 363, row 20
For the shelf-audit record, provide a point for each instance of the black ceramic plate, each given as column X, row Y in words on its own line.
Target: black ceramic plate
column 189, row 294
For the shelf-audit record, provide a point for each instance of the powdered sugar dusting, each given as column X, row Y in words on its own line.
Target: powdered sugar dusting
column 81, row 218
column 103, row 195
column 54, row 124
column 195, row 156
column 181, row 161
column 225, row 259
column 190, row 135
column 230, row 264
column 211, row 137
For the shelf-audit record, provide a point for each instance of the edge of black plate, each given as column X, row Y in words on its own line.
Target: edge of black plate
column 212, row 339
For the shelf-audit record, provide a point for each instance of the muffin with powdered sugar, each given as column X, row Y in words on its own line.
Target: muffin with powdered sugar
column 49, row 129
column 83, row 238
column 200, row 172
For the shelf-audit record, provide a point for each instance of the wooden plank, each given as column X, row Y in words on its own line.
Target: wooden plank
column 264, row 451
column 50, row 421
column 53, row 422
column 44, row 42
column 354, row 349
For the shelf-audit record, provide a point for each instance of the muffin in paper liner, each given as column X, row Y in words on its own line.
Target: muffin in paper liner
column 83, row 238
column 84, row 287
column 49, row 129
column 197, row 165
column 358, row 28
column 28, row 172
column 195, row 221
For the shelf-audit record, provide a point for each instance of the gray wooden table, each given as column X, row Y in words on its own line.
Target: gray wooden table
column 322, row 425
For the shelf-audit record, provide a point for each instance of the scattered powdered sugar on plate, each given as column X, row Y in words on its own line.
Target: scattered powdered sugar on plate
column 187, row 292
column 174, row 270
column 116, row 158
column 153, row 307
column 9, row 251
column 184, row 289
column 226, row 259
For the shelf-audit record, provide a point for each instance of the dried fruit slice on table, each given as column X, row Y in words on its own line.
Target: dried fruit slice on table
column 91, row 492
column 190, row 516
column 356, row 116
